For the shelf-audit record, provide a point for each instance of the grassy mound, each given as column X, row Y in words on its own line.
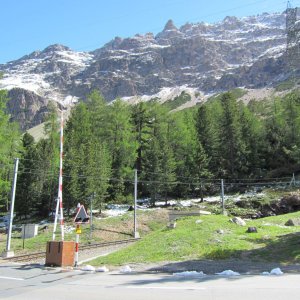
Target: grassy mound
column 193, row 239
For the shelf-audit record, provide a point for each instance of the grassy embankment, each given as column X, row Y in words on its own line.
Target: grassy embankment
column 105, row 230
column 192, row 239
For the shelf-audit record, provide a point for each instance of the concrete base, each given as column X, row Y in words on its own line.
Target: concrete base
column 136, row 235
column 7, row 254
column 60, row 253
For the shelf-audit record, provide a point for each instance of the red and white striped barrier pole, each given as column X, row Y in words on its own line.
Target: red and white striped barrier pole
column 78, row 231
column 61, row 176
column 59, row 206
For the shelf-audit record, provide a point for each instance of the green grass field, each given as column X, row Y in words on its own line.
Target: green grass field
column 191, row 239
column 194, row 240
column 104, row 230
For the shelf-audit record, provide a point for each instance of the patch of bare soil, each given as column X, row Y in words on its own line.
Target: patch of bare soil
column 124, row 229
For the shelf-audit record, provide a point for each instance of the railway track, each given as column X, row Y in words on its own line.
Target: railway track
column 37, row 255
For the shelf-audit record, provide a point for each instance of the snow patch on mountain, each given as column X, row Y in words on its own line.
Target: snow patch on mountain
column 166, row 94
column 25, row 73
column 200, row 59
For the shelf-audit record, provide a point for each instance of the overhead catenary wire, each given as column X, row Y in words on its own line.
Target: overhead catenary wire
column 190, row 180
column 199, row 18
column 218, row 179
column 216, row 182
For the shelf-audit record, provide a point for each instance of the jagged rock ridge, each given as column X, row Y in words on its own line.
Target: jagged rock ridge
column 209, row 58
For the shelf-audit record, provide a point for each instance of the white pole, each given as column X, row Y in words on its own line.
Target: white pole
column 222, row 196
column 91, row 215
column 60, row 187
column 76, row 246
column 59, row 206
column 12, row 204
column 55, row 219
column 136, row 234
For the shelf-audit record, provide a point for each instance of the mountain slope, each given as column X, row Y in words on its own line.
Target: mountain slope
column 206, row 58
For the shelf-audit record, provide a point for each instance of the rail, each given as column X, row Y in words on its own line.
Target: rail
column 36, row 255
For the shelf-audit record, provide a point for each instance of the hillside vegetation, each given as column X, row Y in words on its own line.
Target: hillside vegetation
column 177, row 155
column 202, row 238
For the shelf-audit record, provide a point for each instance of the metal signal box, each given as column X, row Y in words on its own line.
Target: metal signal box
column 60, row 253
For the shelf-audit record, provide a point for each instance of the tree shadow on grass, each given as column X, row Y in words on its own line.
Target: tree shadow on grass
column 284, row 252
column 114, row 231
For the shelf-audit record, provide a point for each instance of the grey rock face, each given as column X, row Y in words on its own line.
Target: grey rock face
column 210, row 58
column 28, row 108
column 293, row 222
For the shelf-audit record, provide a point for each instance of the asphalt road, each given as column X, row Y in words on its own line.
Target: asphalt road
column 36, row 282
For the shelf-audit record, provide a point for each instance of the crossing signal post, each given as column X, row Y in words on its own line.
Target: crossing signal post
column 80, row 218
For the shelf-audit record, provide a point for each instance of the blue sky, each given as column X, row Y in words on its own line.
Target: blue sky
column 85, row 25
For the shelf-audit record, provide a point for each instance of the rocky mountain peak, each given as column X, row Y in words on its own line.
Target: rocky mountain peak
column 208, row 58
column 55, row 48
column 170, row 31
column 111, row 45
column 170, row 26
column 48, row 50
column 230, row 19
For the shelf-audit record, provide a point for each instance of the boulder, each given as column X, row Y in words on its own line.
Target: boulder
column 239, row 221
column 252, row 230
column 290, row 203
column 172, row 225
column 293, row 222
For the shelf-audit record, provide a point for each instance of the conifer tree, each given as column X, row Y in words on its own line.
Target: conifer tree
column 207, row 125
column 252, row 135
column 27, row 196
column 122, row 144
column 192, row 163
column 275, row 131
column 47, row 163
column 232, row 147
column 10, row 143
column 159, row 165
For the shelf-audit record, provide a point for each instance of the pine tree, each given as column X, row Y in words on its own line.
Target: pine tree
column 98, row 172
column 232, row 147
column 159, row 164
column 192, row 163
column 78, row 135
column 26, row 197
column 47, row 163
column 122, row 144
column 252, row 135
column 207, row 126
column 142, row 121
column 10, row 143
column 275, row 131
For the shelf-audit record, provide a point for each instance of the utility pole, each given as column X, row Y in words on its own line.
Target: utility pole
column 135, row 233
column 91, row 215
column 9, row 253
column 293, row 181
column 222, row 196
